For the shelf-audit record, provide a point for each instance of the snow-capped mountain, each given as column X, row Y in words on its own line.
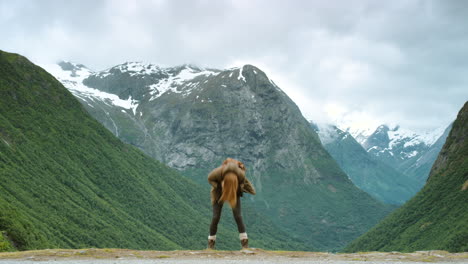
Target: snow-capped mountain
column 399, row 142
column 367, row 172
column 151, row 80
column 359, row 134
column 192, row 118
column 396, row 134
column 72, row 76
column 403, row 149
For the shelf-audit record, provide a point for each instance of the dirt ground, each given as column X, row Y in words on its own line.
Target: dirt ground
column 246, row 254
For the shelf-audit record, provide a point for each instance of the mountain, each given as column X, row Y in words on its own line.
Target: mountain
column 405, row 150
column 192, row 118
column 419, row 167
column 67, row 182
column 368, row 173
column 437, row 217
column 398, row 144
column 410, row 153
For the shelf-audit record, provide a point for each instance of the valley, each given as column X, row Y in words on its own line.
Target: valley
column 191, row 118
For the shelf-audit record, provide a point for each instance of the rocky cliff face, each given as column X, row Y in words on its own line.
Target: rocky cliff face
column 192, row 118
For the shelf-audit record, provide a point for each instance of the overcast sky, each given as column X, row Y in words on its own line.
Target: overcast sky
column 402, row 62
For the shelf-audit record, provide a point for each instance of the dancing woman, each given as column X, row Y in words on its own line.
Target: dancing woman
column 228, row 182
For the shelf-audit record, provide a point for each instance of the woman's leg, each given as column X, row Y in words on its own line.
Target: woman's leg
column 236, row 211
column 217, row 209
column 240, row 224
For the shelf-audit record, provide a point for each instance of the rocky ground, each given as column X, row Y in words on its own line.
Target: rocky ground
column 253, row 256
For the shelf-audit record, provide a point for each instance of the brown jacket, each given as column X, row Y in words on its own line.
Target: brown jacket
column 216, row 176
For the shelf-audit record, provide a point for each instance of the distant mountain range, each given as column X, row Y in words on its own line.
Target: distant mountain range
column 368, row 173
column 191, row 118
column 405, row 150
column 437, row 217
column 390, row 164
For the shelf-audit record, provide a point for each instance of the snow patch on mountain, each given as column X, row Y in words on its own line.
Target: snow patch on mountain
column 172, row 82
column 241, row 77
column 133, row 68
column 372, row 148
column 412, row 154
column 411, row 138
column 73, row 75
column 360, row 134
column 430, row 137
column 73, row 81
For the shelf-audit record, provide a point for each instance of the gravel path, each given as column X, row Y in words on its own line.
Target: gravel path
column 247, row 256
column 209, row 261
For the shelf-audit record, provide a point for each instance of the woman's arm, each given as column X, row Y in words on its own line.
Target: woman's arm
column 214, row 178
column 248, row 187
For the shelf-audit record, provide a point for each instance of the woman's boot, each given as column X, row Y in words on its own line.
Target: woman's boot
column 244, row 240
column 211, row 242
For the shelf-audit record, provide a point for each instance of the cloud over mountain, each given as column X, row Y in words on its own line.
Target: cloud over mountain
column 399, row 61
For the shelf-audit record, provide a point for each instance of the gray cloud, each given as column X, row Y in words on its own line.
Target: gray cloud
column 397, row 61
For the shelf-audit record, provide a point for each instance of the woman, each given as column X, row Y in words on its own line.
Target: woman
column 228, row 181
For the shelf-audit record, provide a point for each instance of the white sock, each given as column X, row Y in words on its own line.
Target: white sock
column 243, row 236
column 212, row 237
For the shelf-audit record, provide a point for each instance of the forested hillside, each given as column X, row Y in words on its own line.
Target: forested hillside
column 66, row 181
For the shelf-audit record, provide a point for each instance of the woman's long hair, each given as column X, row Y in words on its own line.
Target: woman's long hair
column 230, row 185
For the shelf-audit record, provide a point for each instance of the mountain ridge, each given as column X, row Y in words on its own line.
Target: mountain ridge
column 409, row 152
column 368, row 173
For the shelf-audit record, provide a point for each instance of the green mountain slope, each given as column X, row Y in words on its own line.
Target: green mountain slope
column 192, row 118
column 437, row 217
column 66, row 181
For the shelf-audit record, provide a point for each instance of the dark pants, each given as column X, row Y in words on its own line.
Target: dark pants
column 218, row 208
